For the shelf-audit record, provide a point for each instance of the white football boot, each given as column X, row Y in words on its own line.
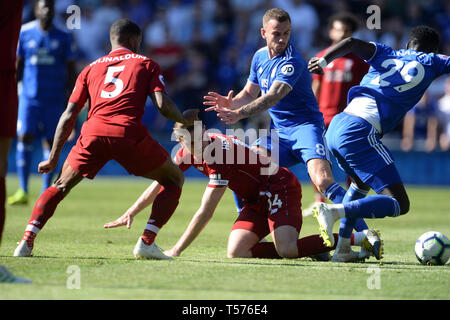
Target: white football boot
column 7, row 277
column 326, row 222
column 372, row 243
column 143, row 251
column 23, row 250
column 345, row 256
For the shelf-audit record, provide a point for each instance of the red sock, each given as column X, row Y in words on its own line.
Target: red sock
column 265, row 250
column 311, row 245
column 163, row 207
column 2, row 205
column 29, row 237
column 307, row 246
column 43, row 209
column 148, row 237
column 352, row 240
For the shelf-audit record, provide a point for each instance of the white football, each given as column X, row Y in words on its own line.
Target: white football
column 432, row 248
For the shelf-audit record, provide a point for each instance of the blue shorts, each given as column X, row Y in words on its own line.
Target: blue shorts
column 293, row 145
column 38, row 118
column 360, row 153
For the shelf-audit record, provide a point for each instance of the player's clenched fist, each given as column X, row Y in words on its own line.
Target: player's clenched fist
column 46, row 166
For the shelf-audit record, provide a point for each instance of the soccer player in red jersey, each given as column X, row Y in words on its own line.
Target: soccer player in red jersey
column 117, row 86
column 10, row 22
column 331, row 88
column 271, row 196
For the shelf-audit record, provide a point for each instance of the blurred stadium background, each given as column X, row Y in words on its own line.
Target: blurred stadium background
column 205, row 45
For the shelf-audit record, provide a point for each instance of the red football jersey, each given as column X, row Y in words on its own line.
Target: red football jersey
column 339, row 76
column 10, row 22
column 235, row 165
column 117, row 86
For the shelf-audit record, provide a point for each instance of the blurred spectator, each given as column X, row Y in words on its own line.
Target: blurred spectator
column 420, row 124
column 444, row 117
column 90, row 37
column 305, row 21
column 180, row 18
column 168, row 53
column 157, row 33
column 139, row 11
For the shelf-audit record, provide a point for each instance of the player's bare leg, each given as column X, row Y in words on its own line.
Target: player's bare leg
column 171, row 178
column 45, row 207
column 240, row 243
column 319, row 171
column 285, row 240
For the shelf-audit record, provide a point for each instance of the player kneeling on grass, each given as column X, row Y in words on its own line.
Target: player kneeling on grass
column 117, row 86
column 272, row 197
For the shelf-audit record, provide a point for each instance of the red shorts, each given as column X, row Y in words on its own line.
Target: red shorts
column 137, row 155
column 8, row 109
column 281, row 205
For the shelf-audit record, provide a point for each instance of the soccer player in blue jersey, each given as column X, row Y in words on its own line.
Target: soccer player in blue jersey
column 46, row 67
column 395, row 83
column 280, row 73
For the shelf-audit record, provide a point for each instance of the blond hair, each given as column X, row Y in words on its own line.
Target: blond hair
column 277, row 14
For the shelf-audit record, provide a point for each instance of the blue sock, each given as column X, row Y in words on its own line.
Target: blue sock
column 46, row 177
column 23, row 163
column 346, row 227
column 354, row 193
column 335, row 193
column 239, row 202
column 376, row 206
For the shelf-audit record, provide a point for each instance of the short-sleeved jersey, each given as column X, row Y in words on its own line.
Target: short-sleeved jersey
column 339, row 76
column 10, row 21
column 299, row 105
column 235, row 165
column 117, row 86
column 397, row 79
column 45, row 55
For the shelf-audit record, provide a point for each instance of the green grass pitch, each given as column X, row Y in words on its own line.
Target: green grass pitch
column 107, row 269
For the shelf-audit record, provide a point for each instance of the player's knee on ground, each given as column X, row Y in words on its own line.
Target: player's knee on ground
column 287, row 250
column 238, row 252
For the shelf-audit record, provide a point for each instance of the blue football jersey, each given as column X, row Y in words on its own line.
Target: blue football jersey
column 397, row 79
column 45, row 57
column 299, row 105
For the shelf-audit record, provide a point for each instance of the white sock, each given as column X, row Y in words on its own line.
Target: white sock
column 343, row 244
column 337, row 210
column 358, row 238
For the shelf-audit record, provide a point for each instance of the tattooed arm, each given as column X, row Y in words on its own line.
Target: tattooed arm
column 277, row 91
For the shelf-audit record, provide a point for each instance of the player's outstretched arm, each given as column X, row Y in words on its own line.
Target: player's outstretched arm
column 277, row 91
column 216, row 101
column 167, row 107
column 146, row 198
column 65, row 126
column 211, row 198
column 364, row 50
